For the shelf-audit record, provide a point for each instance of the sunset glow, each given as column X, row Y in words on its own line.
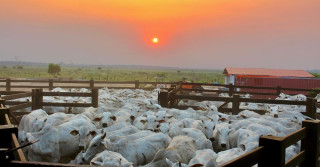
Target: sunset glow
column 155, row 40
column 191, row 33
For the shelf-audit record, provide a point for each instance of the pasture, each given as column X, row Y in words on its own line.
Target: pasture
column 114, row 74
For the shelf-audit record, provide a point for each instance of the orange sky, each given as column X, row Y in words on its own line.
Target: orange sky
column 192, row 33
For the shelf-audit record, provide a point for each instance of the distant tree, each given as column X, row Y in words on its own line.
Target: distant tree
column 178, row 71
column 99, row 68
column 54, row 69
column 20, row 67
column 315, row 74
column 4, row 67
column 14, row 67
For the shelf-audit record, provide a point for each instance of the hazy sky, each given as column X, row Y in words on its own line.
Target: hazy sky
column 192, row 33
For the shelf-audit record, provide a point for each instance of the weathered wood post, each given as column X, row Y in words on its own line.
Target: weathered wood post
column 3, row 111
column 278, row 90
column 91, row 84
column 311, row 143
column 136, row 84
column 172, row 100
column 95, row 97
column 273, row 153
column 163, row 98
column 311, row 107
column 50, row 84
column 235, row 104
column 8, row 84
column 231, row 89
column 37, row 99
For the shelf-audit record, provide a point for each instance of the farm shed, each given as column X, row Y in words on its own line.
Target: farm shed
column 259, row 77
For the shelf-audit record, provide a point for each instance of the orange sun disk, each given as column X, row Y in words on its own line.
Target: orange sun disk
column 155, row 40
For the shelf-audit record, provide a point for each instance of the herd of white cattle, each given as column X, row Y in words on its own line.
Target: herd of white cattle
column 130, row 128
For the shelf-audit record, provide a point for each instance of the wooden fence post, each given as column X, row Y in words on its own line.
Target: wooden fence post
column 163, row 98
column 311, row 107
column 235, row 104
column 91, row 84
column 37, row 99
column 273, row 153
column 136, row 84
column 95, row 97
column 8, row 85
column 50, row 84
column 231, row 89
column 278, row 90
column 3, row 111
column 311, row 143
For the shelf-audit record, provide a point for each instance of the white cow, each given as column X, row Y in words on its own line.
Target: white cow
column 109, row 158
column 221, row 137
column 139, row 151
column 34, row 121
column 180, row 150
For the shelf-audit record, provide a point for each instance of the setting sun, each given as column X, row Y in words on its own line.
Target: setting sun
column 155, row 40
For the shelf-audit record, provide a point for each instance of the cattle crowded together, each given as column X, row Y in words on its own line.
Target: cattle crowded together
column 130, row 128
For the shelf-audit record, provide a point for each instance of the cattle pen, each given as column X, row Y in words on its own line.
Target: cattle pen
column 271, row 150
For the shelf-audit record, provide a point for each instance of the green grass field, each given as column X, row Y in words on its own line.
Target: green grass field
column 113, row 74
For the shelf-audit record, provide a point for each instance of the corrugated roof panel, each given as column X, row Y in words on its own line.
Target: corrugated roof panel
column 267, row 72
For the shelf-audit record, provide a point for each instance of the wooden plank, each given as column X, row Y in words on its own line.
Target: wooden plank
column 28, row 86
column 255, row 93
column 222, row 106
column 70, row 87
column 269, row 101
column 255, row 87
column 17, row 114
column 20, row 106
column 203, row 98
column 14, row 102
column 27, row 80
column 17, row 96
column 85, row 81
column 67, row 104
column 246, row 160
column 11, row 92
column 71, row 94
column 296, row 160
column 273, row 153
column 18, row 154
column 294, row 137
column 40, row 164
column 311, row 143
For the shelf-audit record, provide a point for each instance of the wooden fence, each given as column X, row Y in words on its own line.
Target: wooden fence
column 50, row 84
column 234, row 89
column 9, row 136
column 171, row 98
column 272, row 150
column 37, row 101
column 10, row 84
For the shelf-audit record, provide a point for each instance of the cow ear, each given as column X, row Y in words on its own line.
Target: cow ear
column 242, row 147
column 97, row 119
column 74, row 132
column 114, row 118
column 169, row 162
column 104, row 135
column 93, row 133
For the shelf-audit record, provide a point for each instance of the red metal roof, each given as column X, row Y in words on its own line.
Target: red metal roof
column 267, row 72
